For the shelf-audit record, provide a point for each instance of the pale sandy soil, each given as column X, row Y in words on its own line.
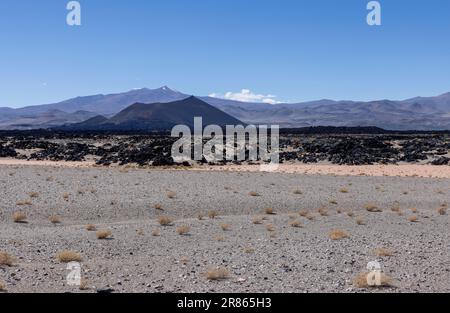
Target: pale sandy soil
column 403, row 170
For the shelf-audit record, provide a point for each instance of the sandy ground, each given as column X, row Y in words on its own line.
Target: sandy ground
column 287, row 259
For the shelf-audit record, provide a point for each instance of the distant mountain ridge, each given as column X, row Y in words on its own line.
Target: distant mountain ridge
column 420, row 113
column 158, row 116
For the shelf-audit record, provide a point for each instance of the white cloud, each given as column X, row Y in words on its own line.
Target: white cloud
column 246, row 95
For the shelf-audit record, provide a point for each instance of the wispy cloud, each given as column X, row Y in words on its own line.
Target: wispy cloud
column 246, row 95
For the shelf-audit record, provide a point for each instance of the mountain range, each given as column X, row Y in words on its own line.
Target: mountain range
column 420, row 113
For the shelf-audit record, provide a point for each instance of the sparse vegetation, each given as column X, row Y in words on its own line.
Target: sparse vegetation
column 171, row 195
column 322, row 212
column 414, row 210
column 343, row 190
column 156, row 233
column 2, row 286
column 270, row 228
column 213, row 214
column 350, row 214
column 304, row 213
column 219, row 238
column 158, row 207
column 360, row 221
column 183, row 230
column 67, row 256
column 442, row 211
column 19, row 217
column 23, row 202
column 200, row 216
column 269, row 211
column 66, row 196
column 218, row 273
column 295, row 223
column 225, row 226
column 372, row 208
column 383, row 252
column 333, row 201
column 91, row 227
column 6, row 259
column 297, row 192
column 413, row 219
column 249, row 250
column 254, row 194
column 257, row 220
column 103, row 234
column 55, row 219
column 33, row 194
column 165, row 220
column 338, row 234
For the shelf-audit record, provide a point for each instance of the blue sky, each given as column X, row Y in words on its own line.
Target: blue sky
column 297, row 50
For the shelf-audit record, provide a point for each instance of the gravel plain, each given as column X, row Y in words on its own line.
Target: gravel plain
column 260, row 252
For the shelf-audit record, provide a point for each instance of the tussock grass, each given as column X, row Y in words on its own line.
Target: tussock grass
column 413, row 219
column 66, row 196
column 218, row 273
column 270, row 228
column 6, row 259
column 183, row 230
column 67, row 256
column 19, row 217
column 360, row 221
column 33, row 194
column 414, row 210
column 333, row 201
column 254, row 194
column 343, row 190
column 257, row 220
column 269, row 211
column 383, row 252
column 165, row 220
column 361, row 281
column 219, row 238
column 338, row 234
column 350, row 214
column 295, row 224
column 171, row 195
column 103, row 234
column 90, row 227
column 225, row 226
column 371, row 207
column 23, row 202
column 158, row 207
column 156, row 233
column 213, row 214
column 322, row 212
column 200, row 216
column 304, row 213
column 297, row 192
column 54, row 219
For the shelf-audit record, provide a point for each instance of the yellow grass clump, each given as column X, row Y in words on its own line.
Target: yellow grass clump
column 257, row 220
column 103, row 234
column 67, row 256
column 183, row 230
column 254, row 194
column 338, row 234
column 91, row 227
column 360, row 221
column 19, row 217
column 362, row 281
column 24, row 202
column 269, row 211
column 6, row 259
column 413, row 219
column 165, row 220
column 372, row 208
column 213, row 214
column 295, row 224
column 171, row 195
column 54, row 219
column 218, row 273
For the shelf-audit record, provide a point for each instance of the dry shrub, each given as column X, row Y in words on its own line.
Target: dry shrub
column 333, row 201
column 225, row 226
column 254, row 194
column 67, row 256
column 249, row 250
column 171, row 195
column 83, row 284
column 295, row 224
column 91, row 227
column 269, row 211
column 396, row 208
column 383, row 252
column 343, row 190
column 414, row 210
column 213, row 214
column 339, row 211
column 165, row 220
column 158, row 207
column 33, row 194
column 6, row 259
column 24, row 202
column 54, row 219
column 361, row 281
column 184, row 260
column 360, row 221
column 66, row 196
column 140, row 232
column 183, row 230
column 304, row 213
column 338, row 234
column 270, row 228
column 323, row 212
column 103, row 234
column 310, row 217
column 156, row 233
column 200, row 216
column 350, row 214
column 372, row 208
column 257, row 220
column 19, row 217
column 218, row 273
column 442, row 211
column 413, row 219
column 297, row 192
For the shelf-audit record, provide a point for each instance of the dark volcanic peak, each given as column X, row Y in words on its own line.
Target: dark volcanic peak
column 160, row 116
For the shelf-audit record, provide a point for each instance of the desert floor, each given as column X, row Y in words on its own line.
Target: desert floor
column 260, row 252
